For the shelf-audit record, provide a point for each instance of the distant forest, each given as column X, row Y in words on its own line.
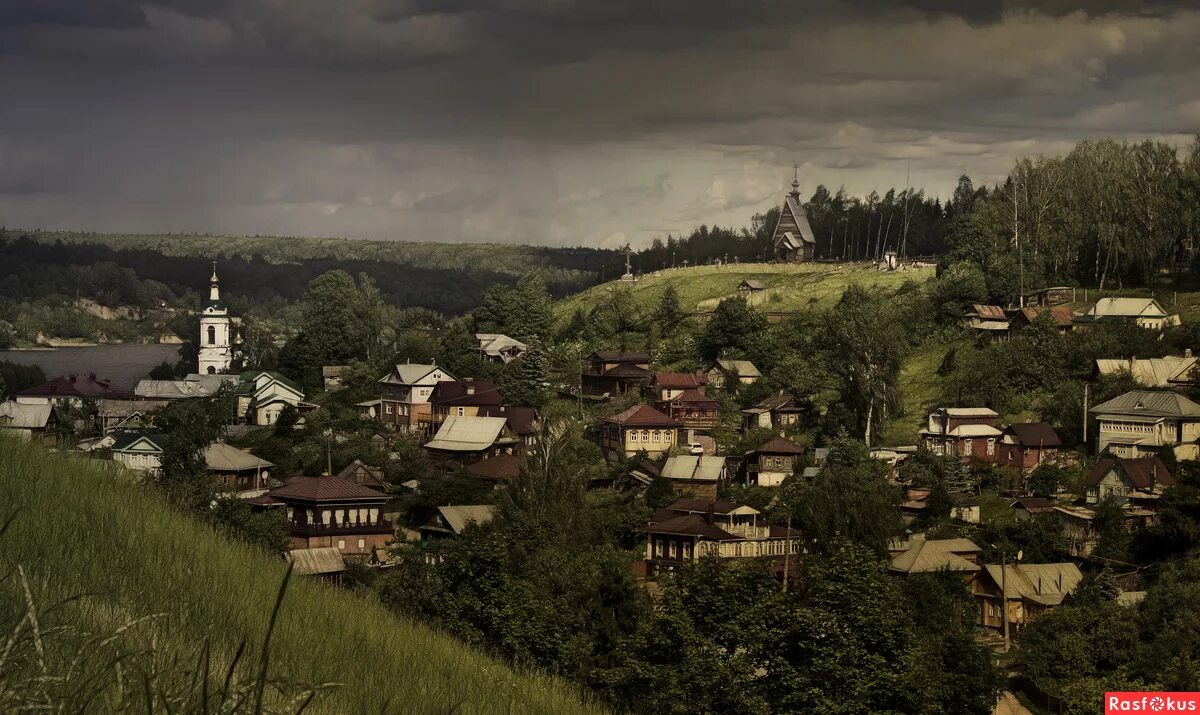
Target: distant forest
column 139, row 271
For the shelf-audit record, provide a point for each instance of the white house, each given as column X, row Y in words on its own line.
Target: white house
column 262, row 395
column 1145, row 312
column 140, row 451
column 1142, row 423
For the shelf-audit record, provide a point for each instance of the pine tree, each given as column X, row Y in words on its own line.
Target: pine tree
column 669, row 314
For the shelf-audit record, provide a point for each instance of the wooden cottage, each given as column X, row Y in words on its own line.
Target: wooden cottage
column 1025, row 445
column 640, row 428
column 963, row 432
column 325, row 512
column 614, row 372
column 692, row 528
column 727, row 372
column 772, row 462
column 695, row 476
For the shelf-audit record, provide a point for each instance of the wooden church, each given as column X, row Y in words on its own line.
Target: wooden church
column 793, row 240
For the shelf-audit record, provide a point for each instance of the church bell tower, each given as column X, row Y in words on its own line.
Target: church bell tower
column 216, row 328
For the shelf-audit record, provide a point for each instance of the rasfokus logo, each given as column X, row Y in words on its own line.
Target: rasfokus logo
column 1151, row 703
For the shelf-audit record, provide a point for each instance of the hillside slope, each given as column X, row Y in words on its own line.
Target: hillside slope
column 787, row 287
column 83, row 527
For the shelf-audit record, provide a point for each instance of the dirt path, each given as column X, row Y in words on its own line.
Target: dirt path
column 1009, row 705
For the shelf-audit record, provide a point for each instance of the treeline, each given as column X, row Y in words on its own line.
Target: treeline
column 846, row 228
column 1106, row 214
column 31, row 267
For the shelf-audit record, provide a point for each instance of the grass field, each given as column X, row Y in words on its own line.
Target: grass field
column 82, row 527
column 788, row 287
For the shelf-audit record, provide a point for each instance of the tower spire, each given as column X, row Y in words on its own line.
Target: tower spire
column 214, row 292
column 795, row 179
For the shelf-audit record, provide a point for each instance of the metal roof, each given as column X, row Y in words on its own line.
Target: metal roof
column 412, row 373
column 1149, row 403
column 22, row 416
column 697, row 468
column 221, row 457
column 1151, row 372
column 1046, row 584
column 311, row 562
column 936, row 555
column 458, row 517
column 741, row 368
column 467, row 433
column 1126, row 308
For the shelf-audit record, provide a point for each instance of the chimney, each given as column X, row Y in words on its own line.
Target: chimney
column 1187, row 352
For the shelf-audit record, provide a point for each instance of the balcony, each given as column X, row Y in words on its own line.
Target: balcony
column 308, row 529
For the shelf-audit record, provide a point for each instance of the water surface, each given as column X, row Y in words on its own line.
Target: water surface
column 123, row 364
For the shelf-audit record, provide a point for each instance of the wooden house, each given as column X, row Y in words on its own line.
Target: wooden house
column 1062, row 316
column 692, row 528
column 137, row 450
column 665, row 386
column 779, row 412
column 28, row 421
column 694, row 409
column 1144, row 312
column 606, row 373
column 523, row 422
column 404, row 394
column 725, row 372
column 71, row 391
column 499, row 348
column 364, row 475
column 773, row 461
column 640, row 428
column 500, row 469
column 1022, row 591
column 988, row 321
column 464, row 398
column 696, row 476
column 750, row 289
column 448, row 522
column 324, row 512
column 1142, row 479
column 331, row 377
column 236, row 470
column 963, row 432
column 1143, row 423
column 467, row 439
column 1171, row 371
column 933, row 555
column 793, row 240
column 262, row 395
column 1027, row 508
column 1025, row 445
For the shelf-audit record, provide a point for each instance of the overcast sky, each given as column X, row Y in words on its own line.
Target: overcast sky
column 551, row 121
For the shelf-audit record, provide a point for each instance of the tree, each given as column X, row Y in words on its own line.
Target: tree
column 660, row 493
column 1109, row 524
column 332, row 320
column 732, row 328
column 957, row 288
column 163, row 371
column 849, row 499
column 864, row 335
column 669, row 313
column 1045, row 479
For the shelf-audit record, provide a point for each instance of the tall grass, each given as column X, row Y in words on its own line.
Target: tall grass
column 129, row 595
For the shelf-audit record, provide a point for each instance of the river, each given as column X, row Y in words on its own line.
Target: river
column 123, row 364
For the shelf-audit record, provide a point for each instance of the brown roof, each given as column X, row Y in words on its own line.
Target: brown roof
column 502, row 467
column 677, row 379
column 779, row 445
column 521, row 420
column 1034, row 434
column 75, row 386
column 989, row 312
column 627, row 370
column 689, row 525
column 324, row 488
column 642, row 416
column 1061, row 314
column 620, row 356
column 465, row 392
column 775, row 402
column 694, row 396
column 1143, row 472
column 701, row 506
column 1034, row 505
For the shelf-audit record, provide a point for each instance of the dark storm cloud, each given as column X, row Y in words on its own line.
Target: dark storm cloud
column 550, row 120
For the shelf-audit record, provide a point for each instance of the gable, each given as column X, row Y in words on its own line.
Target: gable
column 793, row 221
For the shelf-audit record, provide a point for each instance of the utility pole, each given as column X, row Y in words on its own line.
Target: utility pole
column 1085, row 416
column 787, row 550
column 1004, row 596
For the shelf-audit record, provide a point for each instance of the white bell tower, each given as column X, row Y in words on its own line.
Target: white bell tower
column 216, row 328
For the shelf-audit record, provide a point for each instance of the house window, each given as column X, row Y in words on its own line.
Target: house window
column 645, row 435
column 341, row 544
column 991, row 446
column 658, row 548
column 362, row 544
column 462, row 411
column 966, row 447
column 387, row 409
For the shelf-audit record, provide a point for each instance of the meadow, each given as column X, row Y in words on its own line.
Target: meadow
column 787, row 287
column 110, row 599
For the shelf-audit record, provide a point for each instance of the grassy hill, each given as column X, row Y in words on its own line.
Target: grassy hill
column 84, row 529
column 787, row 287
